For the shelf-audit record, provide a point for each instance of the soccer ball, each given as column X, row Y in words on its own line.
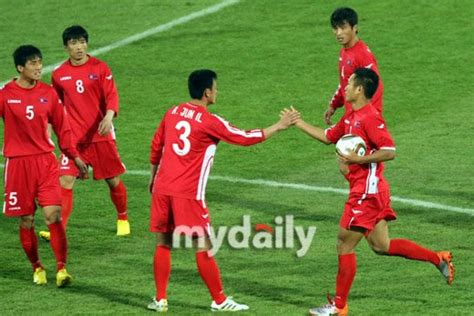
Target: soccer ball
column 351, row 142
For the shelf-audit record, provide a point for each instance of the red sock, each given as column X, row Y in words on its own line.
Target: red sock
column 162, row 270
column 210, row 274
column 66, row 207
column 29, row 243
column 345, row 276
column 58, row 244
column 119, row 198
column 408, row 249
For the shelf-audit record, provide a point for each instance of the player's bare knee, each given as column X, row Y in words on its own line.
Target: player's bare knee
column 113, row 182
column 67, row 182
column 343, row 247
column 52, row 215
column 378, row 248
column 202, row 243
column 27, row 221
column 165, row 240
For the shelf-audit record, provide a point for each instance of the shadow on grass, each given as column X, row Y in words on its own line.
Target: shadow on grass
column 310, row 213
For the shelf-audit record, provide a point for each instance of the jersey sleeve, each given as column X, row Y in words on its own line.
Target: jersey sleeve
column 335, row 132
column 57, row 87
column 337, row 99
column 2, row 106
column 223, row 130
column 158, row 143
column 378, row 134
column 109, row 89
column 62, row 129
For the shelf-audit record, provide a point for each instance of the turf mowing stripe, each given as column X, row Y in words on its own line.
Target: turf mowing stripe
column 155, row 30
column 306, row 187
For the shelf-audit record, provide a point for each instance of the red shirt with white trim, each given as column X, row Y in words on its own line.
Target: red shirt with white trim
column 369, row 124
column 184, row 146
column 26, row 114
column 357, row 56
column 87, row 91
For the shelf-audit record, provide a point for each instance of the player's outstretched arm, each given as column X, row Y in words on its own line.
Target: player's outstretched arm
column 313, row 131
column 288, row 117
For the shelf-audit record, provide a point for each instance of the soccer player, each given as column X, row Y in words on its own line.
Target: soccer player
column 31, row 170
column 87, row 89
column 354, row 54
column 183, row 148
column 367, row 210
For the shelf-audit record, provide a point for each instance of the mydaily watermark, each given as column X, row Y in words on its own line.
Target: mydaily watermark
column 284, row 234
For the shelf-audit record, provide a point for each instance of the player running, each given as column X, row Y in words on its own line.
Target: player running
column 182, row 154
column 367, row 210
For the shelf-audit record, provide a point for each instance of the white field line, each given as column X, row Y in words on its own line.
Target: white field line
column 155, row 30
column 307, row 187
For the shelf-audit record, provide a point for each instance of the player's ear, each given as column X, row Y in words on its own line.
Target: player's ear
column 19, row 68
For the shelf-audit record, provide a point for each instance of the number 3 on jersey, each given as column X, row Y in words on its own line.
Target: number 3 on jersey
column 186, row 127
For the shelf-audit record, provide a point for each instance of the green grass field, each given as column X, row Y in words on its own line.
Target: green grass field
column 268, row 55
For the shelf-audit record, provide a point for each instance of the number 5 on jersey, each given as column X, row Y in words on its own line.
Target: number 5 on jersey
column 186, row 127
column 12, row 198
column 30, row 114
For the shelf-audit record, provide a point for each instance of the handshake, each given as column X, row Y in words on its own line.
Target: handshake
column 288, row 117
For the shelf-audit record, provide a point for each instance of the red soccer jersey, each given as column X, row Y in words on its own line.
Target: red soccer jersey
column 184, row 146
column 357, row 56
column 26, row 114
column 87, row 91
column 368, row 124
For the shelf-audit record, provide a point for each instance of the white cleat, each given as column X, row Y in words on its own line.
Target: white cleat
column 329, row 309
column 160, row 306
column 229, row 305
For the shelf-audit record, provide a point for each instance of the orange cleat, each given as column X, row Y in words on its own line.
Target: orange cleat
column 445, row 266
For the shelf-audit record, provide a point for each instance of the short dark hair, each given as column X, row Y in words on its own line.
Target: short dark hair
column 342, row 15
column 368, row 79
column 75, row 32
column 24, row 53
column 200, row 80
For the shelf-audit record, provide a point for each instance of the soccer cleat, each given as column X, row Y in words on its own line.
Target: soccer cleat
column 445, row 266
column 63, row 278
column 160, row 306
column 123, row 228
column 229, row 305
column 329, row 309
column 45, row 235
column 39, row 276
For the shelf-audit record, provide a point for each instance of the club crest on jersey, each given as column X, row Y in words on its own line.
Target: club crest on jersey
column 43, row 100
column 93, row 77
column 357, row 124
